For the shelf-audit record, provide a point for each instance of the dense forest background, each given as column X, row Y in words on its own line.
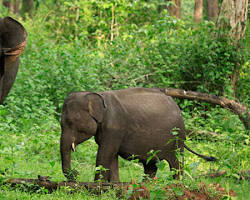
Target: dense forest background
column 98, row 45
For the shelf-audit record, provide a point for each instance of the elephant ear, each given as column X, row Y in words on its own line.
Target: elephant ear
column 13, row 41
column 96, row 106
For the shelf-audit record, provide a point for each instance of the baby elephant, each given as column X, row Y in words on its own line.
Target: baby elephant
column 129, row 123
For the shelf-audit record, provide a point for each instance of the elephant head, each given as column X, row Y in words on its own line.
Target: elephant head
column 12, row 42
column 81, row 115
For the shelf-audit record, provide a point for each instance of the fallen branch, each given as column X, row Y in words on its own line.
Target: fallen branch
column 202, row 133
column 241, row 111
column 51, row 186
column 216, row 174
column 243, row 175
column 128, row 190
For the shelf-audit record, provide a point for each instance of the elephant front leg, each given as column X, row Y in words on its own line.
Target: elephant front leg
column 107, row 163
column 114, row 170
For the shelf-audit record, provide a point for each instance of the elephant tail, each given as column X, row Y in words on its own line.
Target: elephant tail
column 207, row 158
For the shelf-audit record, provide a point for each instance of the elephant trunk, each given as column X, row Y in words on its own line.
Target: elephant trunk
column 65, row 149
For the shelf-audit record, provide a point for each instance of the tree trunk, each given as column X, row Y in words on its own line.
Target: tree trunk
column 175, row 8
column 233, row 16
column 212, row 10
column 27, row 7
column 17, row 7
column 198, row 9
column 241, row 111
column 8, row 4
column 12, row 6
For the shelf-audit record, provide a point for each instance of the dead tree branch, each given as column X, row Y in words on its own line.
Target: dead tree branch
column 243, row 175
column 241, row 111
column 52, row 186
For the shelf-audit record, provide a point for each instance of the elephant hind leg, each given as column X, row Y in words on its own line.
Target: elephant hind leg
column 174, row 164
column 150, row 169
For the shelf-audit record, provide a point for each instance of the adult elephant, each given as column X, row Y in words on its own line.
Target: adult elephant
column 12, row 42
column 127, row 123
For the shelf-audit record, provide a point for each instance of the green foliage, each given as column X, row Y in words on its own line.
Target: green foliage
column 3, row 11
column 199, row 61
column 83, row 19
column 243, row 86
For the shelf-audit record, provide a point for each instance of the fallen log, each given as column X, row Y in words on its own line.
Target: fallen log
column 139, row 191
column 242, row 175
column 204, row 134
column 216, row 174
column 242, row 111
column 44, row 182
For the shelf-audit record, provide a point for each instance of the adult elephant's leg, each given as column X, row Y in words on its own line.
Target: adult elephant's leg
column 8, row 80
column 150, row 169
column 114, row 170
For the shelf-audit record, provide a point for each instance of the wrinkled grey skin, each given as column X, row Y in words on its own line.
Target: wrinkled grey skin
column 124, row 123
column 12, row 34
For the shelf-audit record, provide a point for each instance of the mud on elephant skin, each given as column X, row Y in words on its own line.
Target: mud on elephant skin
column 12, row 42
column 124, row 123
